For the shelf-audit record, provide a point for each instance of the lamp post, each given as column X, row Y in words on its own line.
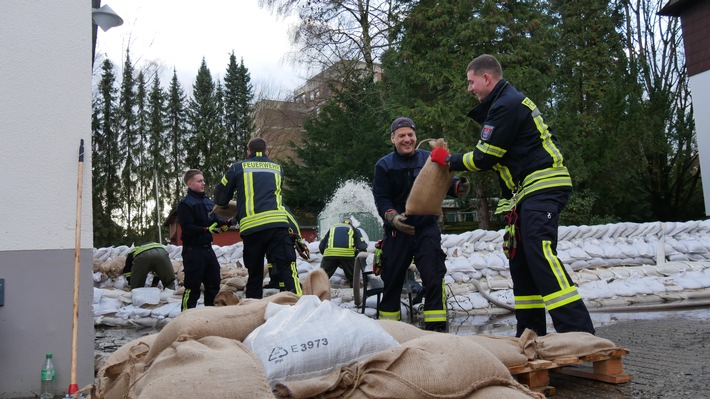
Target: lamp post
column 104, row 17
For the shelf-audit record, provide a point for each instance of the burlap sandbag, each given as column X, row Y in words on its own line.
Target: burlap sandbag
column 113, row 268
column 502, row 392
column 506, row 350
column 430, row 186
column 236, row 283
column 115, row 376
column 317, row 283
column 558, row 346
column 228, row 212
column 431, row 366
column 401, row 331
column 211, row 367
column 96, row 265
column 234, row 322
column 226, row 297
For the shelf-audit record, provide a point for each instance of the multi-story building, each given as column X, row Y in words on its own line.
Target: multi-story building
column 281, row 122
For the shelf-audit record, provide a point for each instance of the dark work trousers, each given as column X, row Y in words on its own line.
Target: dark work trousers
column 277, row 243
column 425, row 248
column 330, row 264
column 201, row 267
column 540, row 280
column 155, row 260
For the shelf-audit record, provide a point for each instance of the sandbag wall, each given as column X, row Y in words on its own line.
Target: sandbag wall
column 613, row 265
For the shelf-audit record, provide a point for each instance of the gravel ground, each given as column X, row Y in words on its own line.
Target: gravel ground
column 668, row 357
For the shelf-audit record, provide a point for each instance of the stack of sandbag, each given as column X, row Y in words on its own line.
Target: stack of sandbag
column 125, row 372
column 225, row 341
column 208, row 337
column 431, row 366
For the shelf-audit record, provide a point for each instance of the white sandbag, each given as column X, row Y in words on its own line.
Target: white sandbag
column 696, row 247
column 145, row 296
column 467, row 249
column 460, row 277
column 578, row 254
column 169, row 310
column 592, row 249
column 611, row 251
column 456, row 265
column 308, row 339
column 498, row 282
column 628, row 250
column 691, row 280
column 97, row 295
column 133, row 312
column 107, row 306
column 494, row 262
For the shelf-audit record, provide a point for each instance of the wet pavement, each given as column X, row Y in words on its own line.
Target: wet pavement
column 669, row 351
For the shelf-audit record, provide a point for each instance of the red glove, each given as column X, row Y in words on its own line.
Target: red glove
column 440, row 156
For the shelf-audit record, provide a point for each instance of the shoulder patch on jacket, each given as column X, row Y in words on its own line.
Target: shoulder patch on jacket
column 486, row 132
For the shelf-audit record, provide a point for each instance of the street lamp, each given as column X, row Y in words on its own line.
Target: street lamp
column 103, row 17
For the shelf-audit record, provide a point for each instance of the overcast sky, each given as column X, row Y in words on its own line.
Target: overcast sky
column 179, row 33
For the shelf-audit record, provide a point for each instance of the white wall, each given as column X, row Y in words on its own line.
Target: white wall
column 45, row 110
column 700, row 89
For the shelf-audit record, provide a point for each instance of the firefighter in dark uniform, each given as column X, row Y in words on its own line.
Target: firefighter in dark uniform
column 339, row 247
column 149, row 258
column 410, row 237
column 262, row 215
column 301, row 249
column 535, row 184
column 198, row 223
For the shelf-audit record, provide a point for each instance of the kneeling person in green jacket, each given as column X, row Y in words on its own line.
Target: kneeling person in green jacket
column 149, row 258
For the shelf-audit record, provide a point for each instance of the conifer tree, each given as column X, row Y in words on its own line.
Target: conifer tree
column 143, row 177
column 105, row 159
column 221, row 143
column 129, row 143
column 592, row 71
column 177, row 136
column 238, row 97
column 157, row 166
column 203, row 120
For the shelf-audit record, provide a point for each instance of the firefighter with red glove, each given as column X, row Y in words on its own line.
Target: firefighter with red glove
column 535, row 184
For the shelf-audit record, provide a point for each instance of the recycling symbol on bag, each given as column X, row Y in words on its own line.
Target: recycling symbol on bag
column 277, row 353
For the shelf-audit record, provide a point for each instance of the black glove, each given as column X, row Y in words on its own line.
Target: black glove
column 397, row 220
column 300, row 245
column 463, row 187
column 302, row 248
